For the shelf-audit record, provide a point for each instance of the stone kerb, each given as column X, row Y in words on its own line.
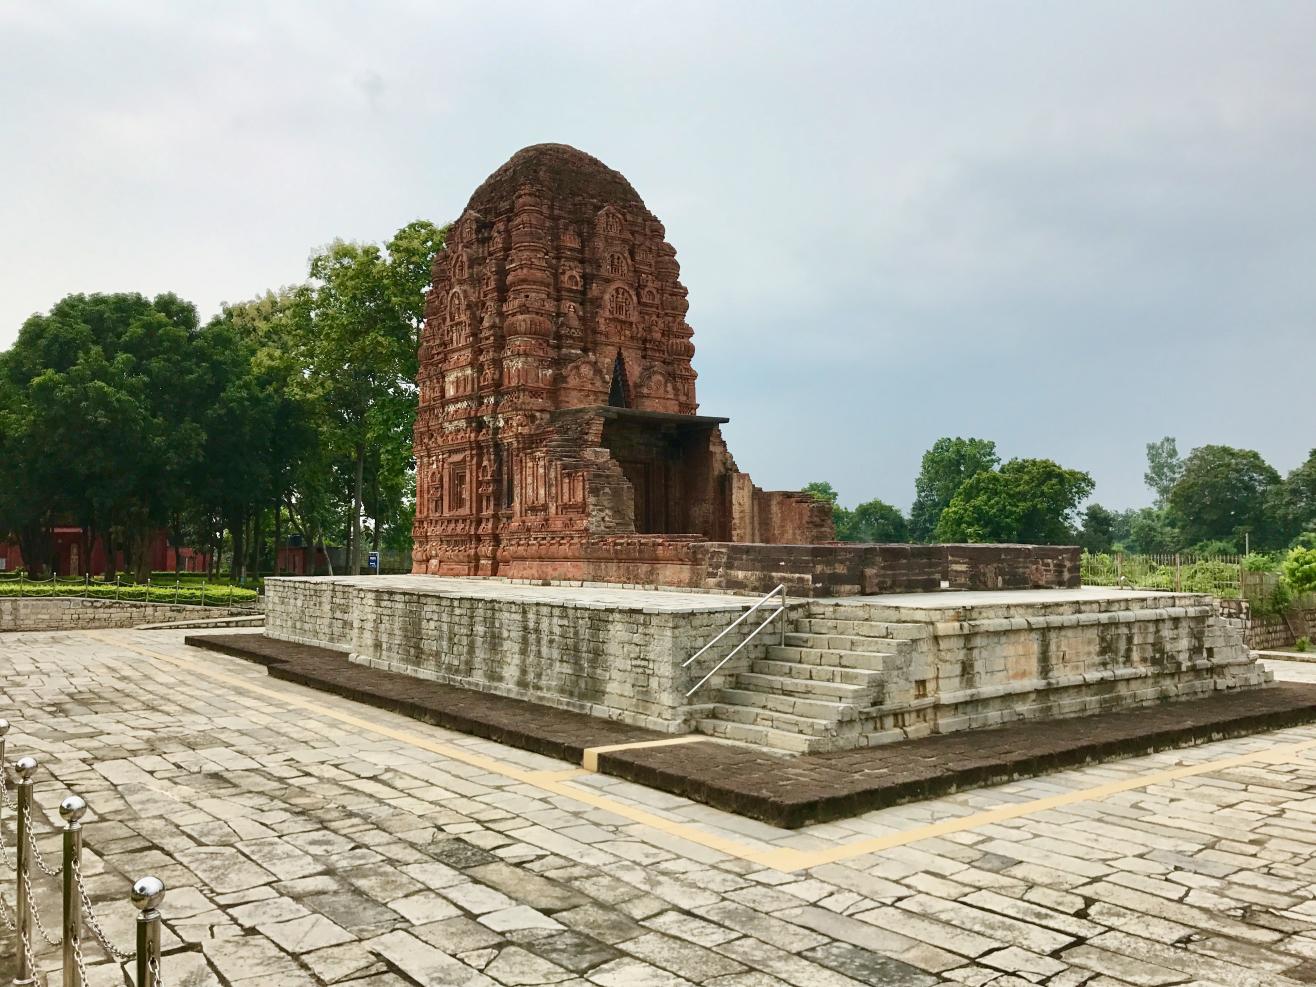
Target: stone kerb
column 610, row 658
column 72, row 613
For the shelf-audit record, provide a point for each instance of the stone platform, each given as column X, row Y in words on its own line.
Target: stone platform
column 779, row 789
column 843, row 673
column 606, row 651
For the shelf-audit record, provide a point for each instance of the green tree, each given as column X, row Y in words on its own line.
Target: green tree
column 1295, row 499
column 1152, row 532
column 874, row 521
column 946, row 467
column 1164, row 468
column 361, row 333
column 823, row 491
column 1300, row 569
column 1225, row 494
column 1098, row 531
column 1027, row 500
column 114, row 384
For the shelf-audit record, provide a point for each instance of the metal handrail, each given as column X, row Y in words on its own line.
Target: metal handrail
column 780, row 591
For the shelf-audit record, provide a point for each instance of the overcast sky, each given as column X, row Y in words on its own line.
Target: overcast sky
column 1071, row 228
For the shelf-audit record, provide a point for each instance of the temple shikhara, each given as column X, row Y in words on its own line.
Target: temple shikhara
column 558, row 435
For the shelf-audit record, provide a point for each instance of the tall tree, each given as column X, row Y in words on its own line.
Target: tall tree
column 1295, row 501
column 1098, row 532
column 1031, row 501
column 1226, row 494
column 1164, row 468
column 946, row 467
column 362, row 330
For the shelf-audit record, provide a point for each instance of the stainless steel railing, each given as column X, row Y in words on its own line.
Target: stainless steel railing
column 778, row 593
column 24, row 919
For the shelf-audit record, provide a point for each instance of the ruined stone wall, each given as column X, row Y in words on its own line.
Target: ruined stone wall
column 67, row 614
column 842, row 569
column 616, row 661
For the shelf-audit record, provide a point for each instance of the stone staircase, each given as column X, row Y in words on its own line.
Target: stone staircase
column 821, row 690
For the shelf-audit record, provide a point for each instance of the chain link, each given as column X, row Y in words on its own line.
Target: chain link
column 77, row 958
column 9, row 917
column 157, row 978
column 36, row 915
column 8, row 861
column 36, row 850
column 27, row 954
column 89, row 918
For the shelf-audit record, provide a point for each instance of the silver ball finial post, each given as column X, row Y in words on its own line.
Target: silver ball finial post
column 4, row 726
column 72, row 809
column 147, row 894
column 25, row 767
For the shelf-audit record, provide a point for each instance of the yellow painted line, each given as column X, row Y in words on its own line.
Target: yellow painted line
column 780, row 858
column 565, row 775
column 590, row 762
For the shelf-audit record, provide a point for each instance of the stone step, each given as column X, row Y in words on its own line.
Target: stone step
column 762, row 736
column 828, row 711
column 808, row 688
column 872, row 660
column 816, row 673
column 902, row 635
column 807, row 726
column 837, row 642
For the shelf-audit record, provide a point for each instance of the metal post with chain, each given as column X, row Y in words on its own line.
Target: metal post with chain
column 71, row 810
column 4, row 765
column 25, row 768
column 147, row 895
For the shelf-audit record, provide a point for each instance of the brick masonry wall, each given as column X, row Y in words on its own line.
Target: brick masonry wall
column 60, row 614
column 841, row 569
column 617, row 662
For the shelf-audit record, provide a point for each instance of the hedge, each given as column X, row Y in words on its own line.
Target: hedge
column 210, row 596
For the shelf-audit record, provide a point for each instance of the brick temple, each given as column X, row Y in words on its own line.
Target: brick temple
column 558, row 435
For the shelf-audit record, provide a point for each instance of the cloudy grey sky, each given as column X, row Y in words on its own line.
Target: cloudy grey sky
column 1069, row 227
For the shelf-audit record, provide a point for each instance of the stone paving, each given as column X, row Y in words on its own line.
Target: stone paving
column 310, row 840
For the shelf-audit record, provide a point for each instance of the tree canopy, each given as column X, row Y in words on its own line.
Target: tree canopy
column 1226, row 494
column 946, row 467
column 293, row 407
column 1026, row 500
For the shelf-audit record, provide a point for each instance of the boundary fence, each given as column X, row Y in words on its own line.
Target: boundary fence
column 1223, row 576
column 178, row 593
column 24, row 918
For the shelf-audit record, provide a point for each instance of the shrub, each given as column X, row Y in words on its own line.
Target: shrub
column 1300, row 570
column 1303, row 644
column 210, row 596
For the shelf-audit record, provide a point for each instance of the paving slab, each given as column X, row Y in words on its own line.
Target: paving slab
column 783, row 790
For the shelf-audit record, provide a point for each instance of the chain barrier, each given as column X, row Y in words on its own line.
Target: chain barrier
column 36, row 851
column 36, row 915
column 89, row 916
column 7, row 914
column 24, row 920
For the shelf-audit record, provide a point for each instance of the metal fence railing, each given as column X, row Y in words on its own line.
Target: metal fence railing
column 1223, row 576
column 179, row 593
column 24, row 919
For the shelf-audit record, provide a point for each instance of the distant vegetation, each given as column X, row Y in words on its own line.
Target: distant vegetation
column 123, row 415
column 1218, row 500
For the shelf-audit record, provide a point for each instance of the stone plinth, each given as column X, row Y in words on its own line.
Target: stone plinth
column 610, row 652
column 849, row 672
column 874, row 669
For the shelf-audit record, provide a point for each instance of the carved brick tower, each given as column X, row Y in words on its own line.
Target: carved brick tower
column 557, row 434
